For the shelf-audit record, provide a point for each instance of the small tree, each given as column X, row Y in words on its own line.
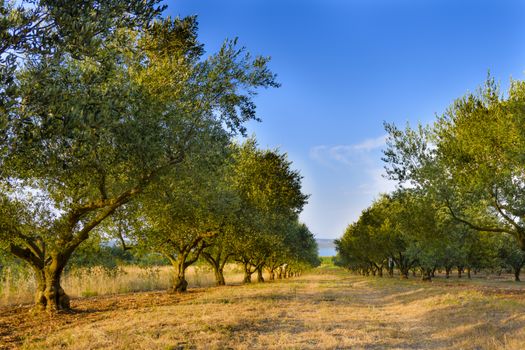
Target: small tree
column 186, row 210
column 271, row 197
column 511, row 255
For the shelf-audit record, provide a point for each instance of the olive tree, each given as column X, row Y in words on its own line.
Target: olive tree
column 270, row 194
column 185, row 211
column 471, row 159
column 87, row 130
column 510, row 255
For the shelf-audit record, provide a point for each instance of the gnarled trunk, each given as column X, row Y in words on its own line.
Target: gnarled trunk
column 447, row 272
column 247, row 274
column 404, row 265
column 426, row 275
column 272, row 274
column 517, row 271
column 180, row 284
column 185, row 257
column 218, row 270
column 219, row 277
column 260, row 277
column 48, row 268
column 217, row 265
column 50, row 295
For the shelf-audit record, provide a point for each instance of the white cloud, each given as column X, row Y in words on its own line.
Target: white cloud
column 347, row 154
column 371, row 144
column 350, row 177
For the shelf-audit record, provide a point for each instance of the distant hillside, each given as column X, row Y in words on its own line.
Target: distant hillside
column 326, row 247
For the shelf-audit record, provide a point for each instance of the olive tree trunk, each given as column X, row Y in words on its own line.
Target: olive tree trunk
column 184, row 258
column 218, row 267
column 180, row 284
column 260, row 277
column 50, row 295
column 247, row 273
column 272, row 274
column 517, row 271
column 219, row 276
column 426, row 274
column 404, row 265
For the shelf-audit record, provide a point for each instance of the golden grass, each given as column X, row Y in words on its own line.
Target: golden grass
column 99, row 281
column 328, row 310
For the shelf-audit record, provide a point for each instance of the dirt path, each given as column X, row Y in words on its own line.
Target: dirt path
column 329, row 310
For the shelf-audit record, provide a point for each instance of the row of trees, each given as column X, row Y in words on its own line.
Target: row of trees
column 241, row 205
column 411, row 232
column 460, row 198
column 112, row 119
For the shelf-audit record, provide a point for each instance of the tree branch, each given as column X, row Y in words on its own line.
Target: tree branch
column 196, row 254
column 27, row 255
column 502, row 213
column 83, row 234
column 477, row 227
column 123, row 242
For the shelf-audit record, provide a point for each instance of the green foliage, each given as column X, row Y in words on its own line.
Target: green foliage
column 94, row 253
column 471, row 159
column 460, row 193
column 408, row 230
column 271, row 199
column 510, row 256
column 100, row 102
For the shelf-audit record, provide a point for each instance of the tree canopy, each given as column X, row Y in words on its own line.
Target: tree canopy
column 101, row 100
column 460, row 190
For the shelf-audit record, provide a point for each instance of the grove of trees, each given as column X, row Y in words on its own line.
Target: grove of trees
column 460, row 203
column 114, row 122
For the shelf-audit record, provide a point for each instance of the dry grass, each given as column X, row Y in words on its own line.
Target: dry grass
column 19, row 289
column 325, row 310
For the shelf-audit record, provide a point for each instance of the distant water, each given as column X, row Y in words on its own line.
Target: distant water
column 326, row 247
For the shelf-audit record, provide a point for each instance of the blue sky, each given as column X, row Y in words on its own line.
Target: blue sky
column 347, row 66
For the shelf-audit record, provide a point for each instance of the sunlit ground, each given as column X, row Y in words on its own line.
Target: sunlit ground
column 327, row 309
